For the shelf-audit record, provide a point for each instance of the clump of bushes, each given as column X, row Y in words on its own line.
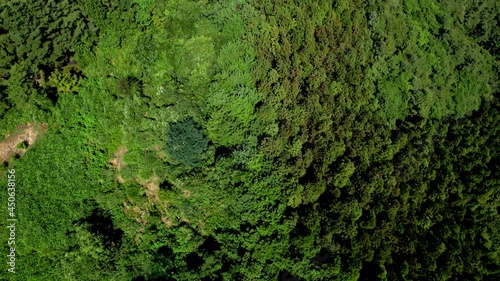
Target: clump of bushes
column 186, row 143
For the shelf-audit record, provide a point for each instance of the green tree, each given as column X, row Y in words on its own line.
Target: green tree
column 186, row 143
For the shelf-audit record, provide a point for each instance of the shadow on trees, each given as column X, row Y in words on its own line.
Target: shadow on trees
column 210, row 245
column 369, row 272
column 100, row 223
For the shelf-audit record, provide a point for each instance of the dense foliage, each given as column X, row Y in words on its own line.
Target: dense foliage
column 253, row 140
column 185, row 142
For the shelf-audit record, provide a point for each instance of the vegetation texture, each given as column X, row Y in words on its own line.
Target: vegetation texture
column 251, row 139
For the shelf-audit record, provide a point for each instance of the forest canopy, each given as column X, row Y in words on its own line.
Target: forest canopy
column 251, row 139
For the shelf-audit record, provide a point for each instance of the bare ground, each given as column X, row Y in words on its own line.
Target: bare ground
column 118, row 163
column 152, row 186
column 27, row 134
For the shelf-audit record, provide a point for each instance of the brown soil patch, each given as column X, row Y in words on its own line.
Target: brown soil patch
column 152, row 186
column 166, row 221
column 139, row 214
column 162, row 155
column 184, row 219
column 120, row 179
column 126, row 207
column 160, row 152
column 117, row 162
column 28, row 134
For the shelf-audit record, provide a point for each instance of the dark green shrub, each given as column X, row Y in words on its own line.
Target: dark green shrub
column 185, row 142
